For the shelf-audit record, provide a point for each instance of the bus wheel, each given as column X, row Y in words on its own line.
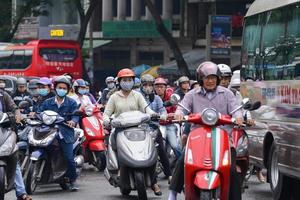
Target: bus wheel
column 280, row 184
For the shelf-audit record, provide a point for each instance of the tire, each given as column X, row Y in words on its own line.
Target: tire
column 140, row 185
column 206, row 195
column 2, row 182
column 64, row 186
column 101, row 160
column 31, row 181
column 280, row 184
column 124, row 191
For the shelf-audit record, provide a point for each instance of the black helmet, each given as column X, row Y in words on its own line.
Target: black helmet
column 208, row 68
column 62, row 79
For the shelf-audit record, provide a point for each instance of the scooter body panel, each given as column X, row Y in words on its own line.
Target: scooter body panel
column 208, row 150
column 97, row 145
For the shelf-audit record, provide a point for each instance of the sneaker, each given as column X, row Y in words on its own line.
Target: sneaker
column 73, row 186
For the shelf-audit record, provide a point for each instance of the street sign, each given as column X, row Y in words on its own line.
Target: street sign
column 220, row 35
column 132, row 29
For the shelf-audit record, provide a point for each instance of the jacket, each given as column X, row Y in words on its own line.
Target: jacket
column 167, row 96
column 8, row 105
column 18, row 96
column 68, row 107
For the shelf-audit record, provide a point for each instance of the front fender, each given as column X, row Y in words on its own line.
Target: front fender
column 97, row 145
column 207, row 180
column 37, row 155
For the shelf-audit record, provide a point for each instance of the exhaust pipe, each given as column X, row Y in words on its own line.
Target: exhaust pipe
column 79, row 160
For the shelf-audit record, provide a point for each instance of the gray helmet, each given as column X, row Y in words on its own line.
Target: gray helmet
column 21, row 81
column 147, row 78
column 62, row 79
column 183, row 79
column 207, row 68
column 33, row 84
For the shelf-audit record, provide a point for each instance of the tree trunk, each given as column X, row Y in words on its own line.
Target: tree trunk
column 85, row 18
column 182, row 66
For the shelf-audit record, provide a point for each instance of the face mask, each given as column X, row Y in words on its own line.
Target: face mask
column 148, row 90
column 43, row 92
column 61, row 92
column 2, row 85
column 127, row 86
column 34, row 92
column 110, row 85
column 82, row 91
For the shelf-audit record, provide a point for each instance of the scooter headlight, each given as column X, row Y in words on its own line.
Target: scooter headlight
column 210, row 116
column 48, row 119
column 88, row 110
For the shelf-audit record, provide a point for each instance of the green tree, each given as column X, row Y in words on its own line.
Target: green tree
column 9, row 23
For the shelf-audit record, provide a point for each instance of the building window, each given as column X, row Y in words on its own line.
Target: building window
column 151, row 58
column 128, row 8
column 115, row 7
column 176, row 7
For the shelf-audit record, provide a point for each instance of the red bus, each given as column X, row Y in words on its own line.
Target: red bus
column 41, row 58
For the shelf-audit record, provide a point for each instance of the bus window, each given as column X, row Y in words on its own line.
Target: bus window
column 5, row 58
column 28, row 57
column 251, row 46
column 58, row 55
column 293, row 35
column 17, row 61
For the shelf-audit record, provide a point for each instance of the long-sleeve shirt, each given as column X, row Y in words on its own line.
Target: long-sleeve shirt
column 222, row 99
column 118, row 103
column 157, row 105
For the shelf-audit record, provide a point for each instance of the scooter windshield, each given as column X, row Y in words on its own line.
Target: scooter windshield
column 130, row 119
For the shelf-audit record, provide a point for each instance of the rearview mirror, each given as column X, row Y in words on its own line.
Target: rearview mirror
column 174, row 99
column 100, row 94
column 255, row 105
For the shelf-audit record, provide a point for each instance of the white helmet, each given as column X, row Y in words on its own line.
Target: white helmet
column 225, row 70
column 235, row 82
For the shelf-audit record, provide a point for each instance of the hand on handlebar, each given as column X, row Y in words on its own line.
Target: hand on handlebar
column 71, row 124
column 178, row 117
column 239, row 121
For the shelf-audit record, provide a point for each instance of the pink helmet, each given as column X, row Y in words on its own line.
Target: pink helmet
column 160, row 81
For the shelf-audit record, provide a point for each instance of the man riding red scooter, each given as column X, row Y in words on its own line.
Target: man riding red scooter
column 209, row 161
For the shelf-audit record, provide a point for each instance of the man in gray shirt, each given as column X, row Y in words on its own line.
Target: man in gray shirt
column 209, row 95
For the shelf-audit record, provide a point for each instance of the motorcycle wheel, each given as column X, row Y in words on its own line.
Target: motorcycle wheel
column 101, row 160
column 31, row 181
column 64, row 186
column 124, row 191
column 140, row 185
column 206, row 195
column 2, row 182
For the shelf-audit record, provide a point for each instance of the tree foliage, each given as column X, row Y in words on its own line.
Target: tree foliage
column 9, row 23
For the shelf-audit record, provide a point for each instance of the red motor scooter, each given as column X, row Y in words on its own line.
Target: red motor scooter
column 240, row 143
column 94, row 147
column 208, row 156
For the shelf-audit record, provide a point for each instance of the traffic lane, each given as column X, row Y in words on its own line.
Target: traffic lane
column 93, row 185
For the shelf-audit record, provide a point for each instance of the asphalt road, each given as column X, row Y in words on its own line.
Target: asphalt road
column 93, row 185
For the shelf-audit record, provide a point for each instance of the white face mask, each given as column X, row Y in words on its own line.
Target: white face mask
column 2, row 85
column 111, row 85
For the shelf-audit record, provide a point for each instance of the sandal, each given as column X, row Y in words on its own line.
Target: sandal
column 24, row 197
column 156, row 190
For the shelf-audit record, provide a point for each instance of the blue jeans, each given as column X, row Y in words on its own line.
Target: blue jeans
column 67, row 149
column 20, row 187
column 172, row 139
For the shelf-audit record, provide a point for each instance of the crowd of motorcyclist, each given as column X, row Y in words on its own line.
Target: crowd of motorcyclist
column 126, row 92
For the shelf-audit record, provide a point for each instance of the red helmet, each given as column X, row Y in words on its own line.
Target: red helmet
column 160, row 81
column 125, row 73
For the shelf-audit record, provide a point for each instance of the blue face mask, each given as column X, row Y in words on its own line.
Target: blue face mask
column 127, row 86
column 61, row 92
column 82, row 91
column 43, row 92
